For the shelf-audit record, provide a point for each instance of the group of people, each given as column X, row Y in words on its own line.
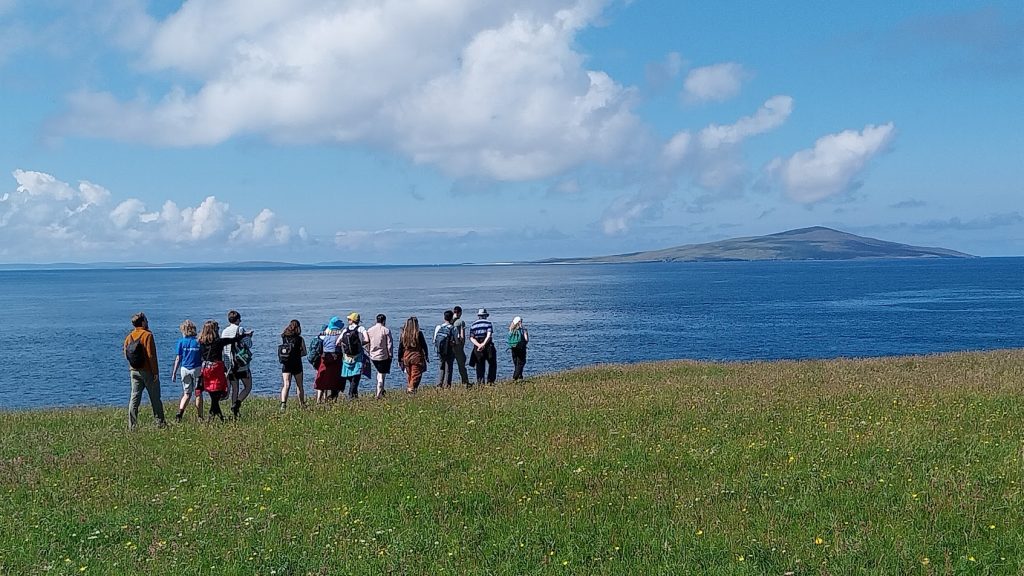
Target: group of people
column 217, row 362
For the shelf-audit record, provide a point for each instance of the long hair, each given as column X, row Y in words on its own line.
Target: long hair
column 516, row 323
column 292, row 329
column 188, row 329
column 411, row 333
column 210, row 333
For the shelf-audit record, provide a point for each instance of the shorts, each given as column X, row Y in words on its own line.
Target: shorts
column 189, row 379
column 382, row 366
column 240, row 375
column 293, row 367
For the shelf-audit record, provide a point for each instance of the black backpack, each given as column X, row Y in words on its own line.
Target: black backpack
column 351, row 343
column 286, row 350
column 135, row 353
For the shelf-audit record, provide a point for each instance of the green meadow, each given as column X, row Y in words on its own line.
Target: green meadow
column 887, row 466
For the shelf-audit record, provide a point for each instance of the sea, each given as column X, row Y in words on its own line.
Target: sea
column 61, row 331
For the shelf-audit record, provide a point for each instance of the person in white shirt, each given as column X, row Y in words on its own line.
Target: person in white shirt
column 381, row 350
column 239, row 371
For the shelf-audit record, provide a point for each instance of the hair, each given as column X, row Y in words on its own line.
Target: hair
column 139, row 320
column 448, row 315
column 515, row 325
column 292, row 329
column 381, row 318
column 411, row 333
column 234, row 317
column 188, row 328
column 457, row 310
column 210, row 332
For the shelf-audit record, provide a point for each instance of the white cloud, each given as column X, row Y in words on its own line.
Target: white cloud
column 772, row 114
column 833, row 165
column 480, row 88
column 714, row 83
column 46, row 218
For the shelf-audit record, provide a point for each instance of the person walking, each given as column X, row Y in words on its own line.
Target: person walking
column 144, row 374
column 517, row 339
column 412, row 353
column 353, row 342
column 459, row 325
column 328, row 375
column 214, row 373
column 485, row 355
column 190, row 363
column 290, row 354
column 239, row 362
column 444, row 345
column 381, row 350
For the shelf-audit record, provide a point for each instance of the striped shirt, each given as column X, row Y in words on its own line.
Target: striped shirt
column 480, row 329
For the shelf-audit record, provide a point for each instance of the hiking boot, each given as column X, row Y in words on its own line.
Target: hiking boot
column 282, row 408
column 236, row 407
column 177, row 418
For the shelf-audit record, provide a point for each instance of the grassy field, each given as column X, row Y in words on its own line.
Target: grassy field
column 891, row 466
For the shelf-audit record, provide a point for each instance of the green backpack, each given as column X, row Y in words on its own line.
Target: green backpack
column 515, row 338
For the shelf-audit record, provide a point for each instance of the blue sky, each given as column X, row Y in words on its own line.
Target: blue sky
column 486, row 130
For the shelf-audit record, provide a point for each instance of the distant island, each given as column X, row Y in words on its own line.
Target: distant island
column 815, row 243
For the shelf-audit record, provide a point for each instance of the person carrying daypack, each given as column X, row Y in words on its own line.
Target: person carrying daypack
column 352, row 342
column 144, row 373
column 444, row 345
column 240, row 361
column 517, row 340
column 290, row 353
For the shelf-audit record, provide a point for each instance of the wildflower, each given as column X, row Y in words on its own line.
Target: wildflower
column 818, row 540
column 925, row 561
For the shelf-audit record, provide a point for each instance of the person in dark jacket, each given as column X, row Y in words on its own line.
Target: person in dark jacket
column 291, row 365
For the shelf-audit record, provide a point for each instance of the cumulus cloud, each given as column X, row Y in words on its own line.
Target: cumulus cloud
column 772, row 114
column 833, row 165
column 47, row 217
column 715, row 83
column 479, row 88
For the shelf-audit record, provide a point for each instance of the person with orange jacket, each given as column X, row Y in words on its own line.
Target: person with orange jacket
column 140, row 352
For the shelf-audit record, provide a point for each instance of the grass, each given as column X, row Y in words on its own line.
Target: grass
column 889, row 466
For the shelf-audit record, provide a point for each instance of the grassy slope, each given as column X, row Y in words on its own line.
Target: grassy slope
column 879, row 467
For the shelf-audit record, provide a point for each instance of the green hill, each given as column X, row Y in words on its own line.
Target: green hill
column 816, row 243
column 889, row 466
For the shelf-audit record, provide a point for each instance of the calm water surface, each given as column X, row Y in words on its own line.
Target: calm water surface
column 61, row 331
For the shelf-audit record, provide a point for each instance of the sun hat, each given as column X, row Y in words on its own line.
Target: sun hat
column 482, row 313
column 334, row 324
column 354, row 317
column 517, row 320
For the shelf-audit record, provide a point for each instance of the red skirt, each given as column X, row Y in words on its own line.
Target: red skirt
column 328, row 375
column 214, row 377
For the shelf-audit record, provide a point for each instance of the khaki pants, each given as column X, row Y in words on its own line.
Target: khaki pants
column 140, row 381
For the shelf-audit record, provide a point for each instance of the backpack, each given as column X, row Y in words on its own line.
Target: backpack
column 515, row 338
column 351, row 342
column 241, row 355
column 316, row 351
column 135, row 353
column 444, row 341
column 286, row 350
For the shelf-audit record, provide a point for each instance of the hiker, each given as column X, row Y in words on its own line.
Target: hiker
column 444, row 345
column 328, row 375
column 352, row 344
column 412, row 353
column 380, row 350
column 214, row 374
column 485, row 355
column 460, row 344
column 239, row 360
column 290, row 354
column 190, row 363
column 144, row 373
column 517, row 339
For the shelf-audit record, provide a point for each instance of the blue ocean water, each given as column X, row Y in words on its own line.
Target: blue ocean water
column 61, row 331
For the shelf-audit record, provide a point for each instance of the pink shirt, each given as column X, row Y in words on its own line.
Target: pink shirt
column 381, row 345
